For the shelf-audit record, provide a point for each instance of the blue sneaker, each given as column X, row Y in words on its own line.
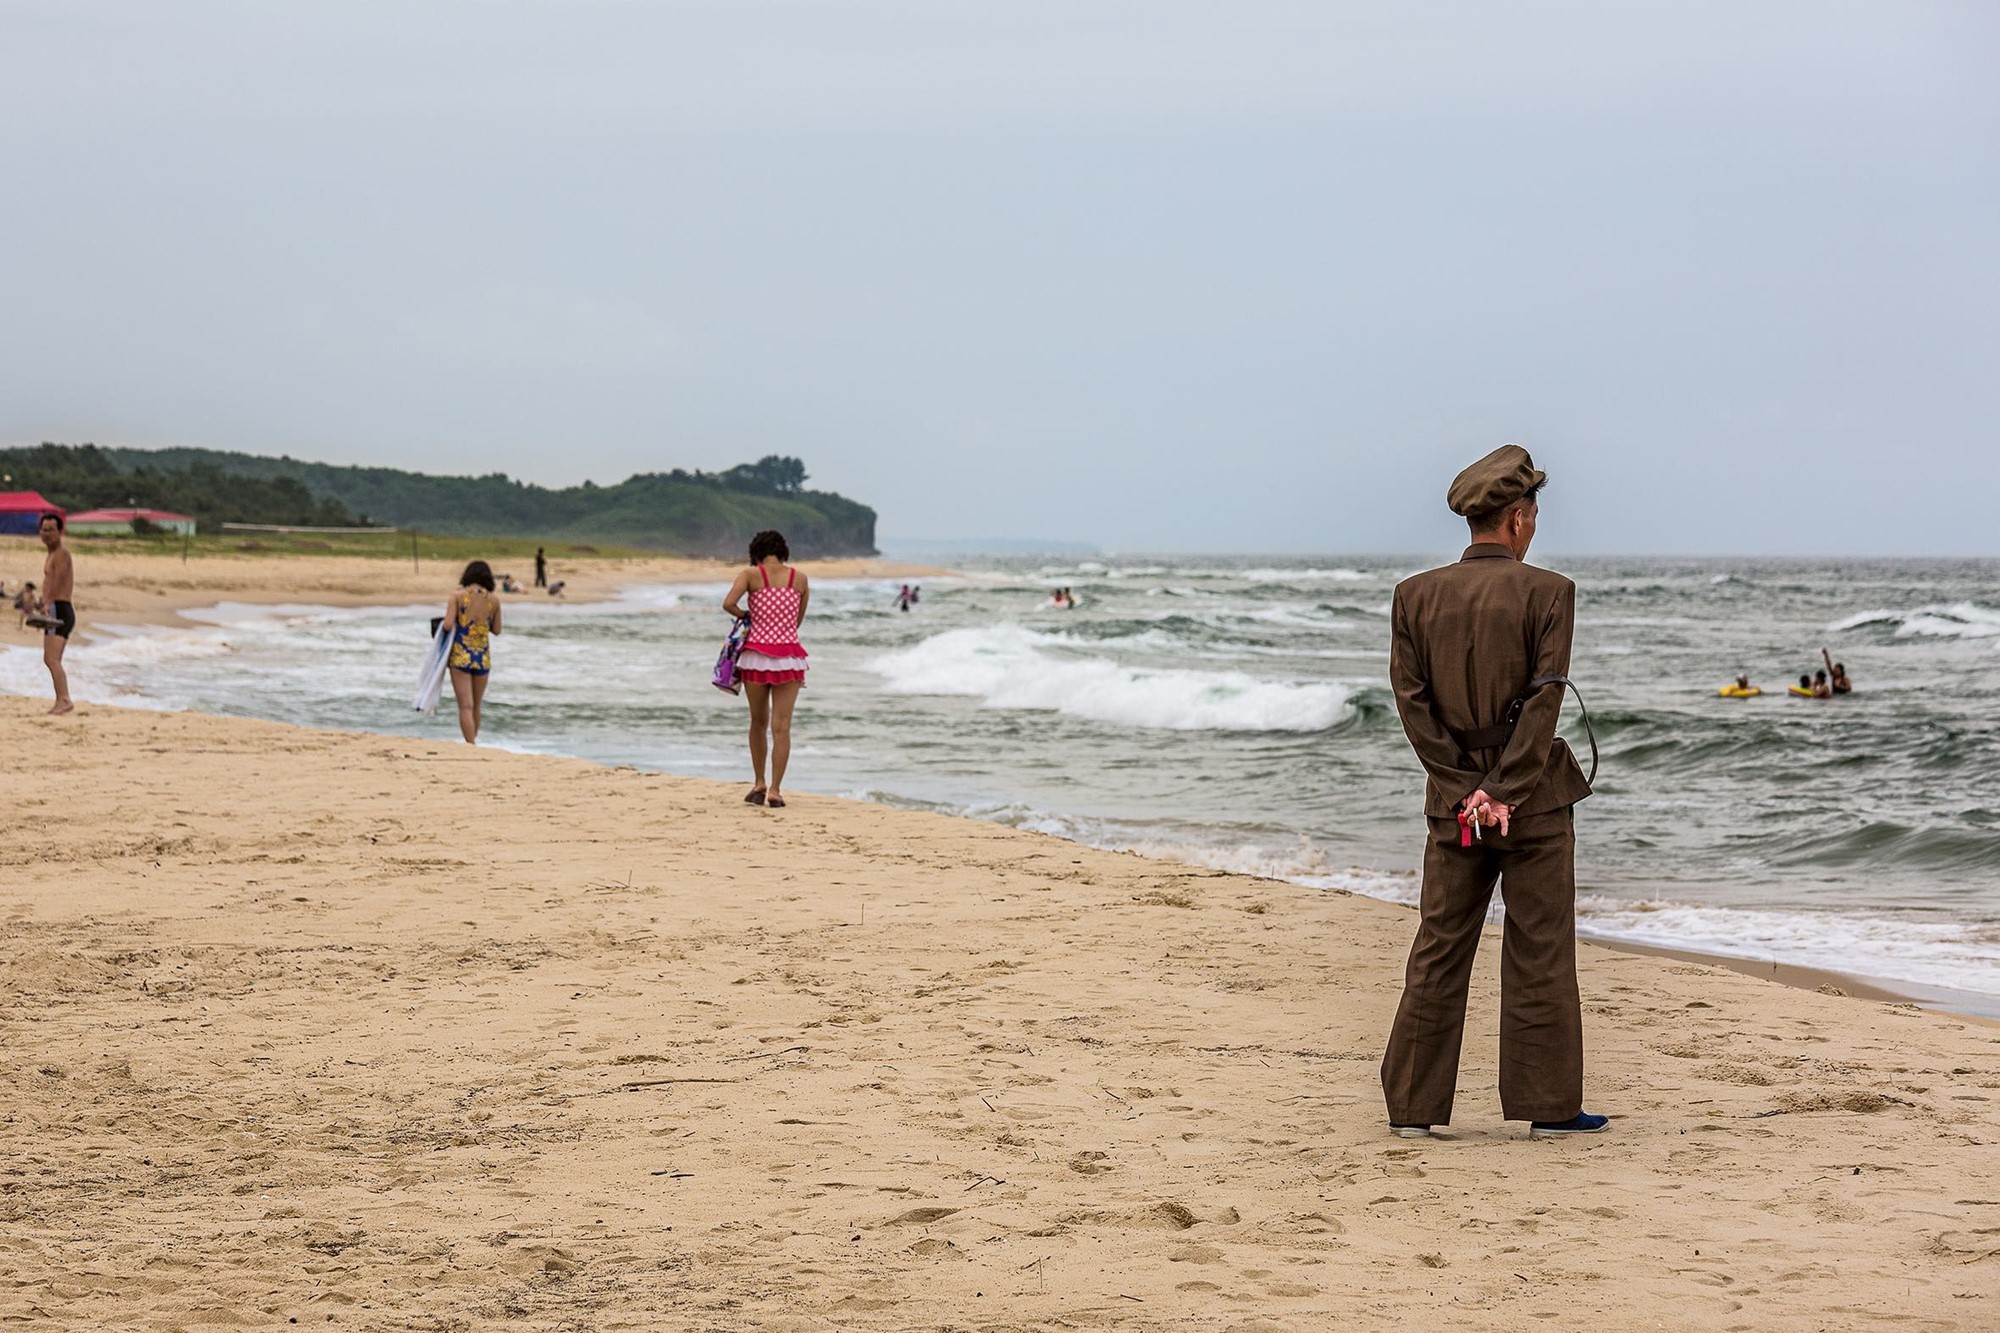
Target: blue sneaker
column 1581, row 1123
column 1410, row 1131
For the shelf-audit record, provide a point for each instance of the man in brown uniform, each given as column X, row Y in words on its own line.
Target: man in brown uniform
column 1477, row 660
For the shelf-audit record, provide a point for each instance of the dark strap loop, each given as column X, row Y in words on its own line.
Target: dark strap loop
column 1540, row 682
column 1496, row 737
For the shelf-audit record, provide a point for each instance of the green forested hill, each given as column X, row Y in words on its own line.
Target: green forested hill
column 692, row 513
column 86, row 477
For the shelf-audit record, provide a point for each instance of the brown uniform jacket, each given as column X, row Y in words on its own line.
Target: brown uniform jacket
column 1466, row 640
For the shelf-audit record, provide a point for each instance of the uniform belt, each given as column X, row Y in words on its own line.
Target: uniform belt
column 1483, row 738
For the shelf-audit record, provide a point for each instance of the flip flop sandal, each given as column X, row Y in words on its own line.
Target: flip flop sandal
column 755, row 797
column 776, row 803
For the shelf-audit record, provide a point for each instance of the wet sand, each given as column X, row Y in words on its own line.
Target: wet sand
column 1786, row 974
column 382, row 1034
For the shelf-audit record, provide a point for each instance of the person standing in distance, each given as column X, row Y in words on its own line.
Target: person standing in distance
column 58, row 587
column 541, row 568
column 1478, row 659
column 772, row 664
column 474, row 615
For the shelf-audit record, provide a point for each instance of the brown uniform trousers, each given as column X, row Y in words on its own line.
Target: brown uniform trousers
column 1467, row 639
column 1541, row 1024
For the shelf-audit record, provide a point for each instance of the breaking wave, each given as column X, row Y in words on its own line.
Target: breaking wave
column 1959, row 620
column 1007, row 666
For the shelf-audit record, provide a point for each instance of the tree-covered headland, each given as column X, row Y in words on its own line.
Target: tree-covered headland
column 682, row 512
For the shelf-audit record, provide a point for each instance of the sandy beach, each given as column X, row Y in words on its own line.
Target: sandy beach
column 387, row 1034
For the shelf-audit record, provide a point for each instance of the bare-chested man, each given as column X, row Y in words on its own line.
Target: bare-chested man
column 58, row 587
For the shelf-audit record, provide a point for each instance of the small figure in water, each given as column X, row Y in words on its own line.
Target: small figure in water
column 1841, row 684
column 1743, row 682
column 1820, row 688
column 904, row 598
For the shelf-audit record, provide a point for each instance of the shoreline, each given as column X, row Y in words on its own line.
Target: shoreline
column 318, row 1022
column 219, row 579
column 1966, row 1006
column 125, row 588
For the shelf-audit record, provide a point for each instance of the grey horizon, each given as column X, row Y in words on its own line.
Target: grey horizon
column 1260, row 281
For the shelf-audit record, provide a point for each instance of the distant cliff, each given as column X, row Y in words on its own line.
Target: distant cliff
column 685, row 513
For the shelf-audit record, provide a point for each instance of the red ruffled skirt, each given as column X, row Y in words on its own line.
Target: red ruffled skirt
column 772, row 663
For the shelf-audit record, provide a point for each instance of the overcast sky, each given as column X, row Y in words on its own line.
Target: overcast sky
column 1159, row 275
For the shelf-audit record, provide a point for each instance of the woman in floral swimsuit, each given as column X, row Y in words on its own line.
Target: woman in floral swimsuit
column 772, row 665
column 474, row 613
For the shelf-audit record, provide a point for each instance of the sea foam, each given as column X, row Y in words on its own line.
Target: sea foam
column 1305, row 576
column 1007, row 666
column 1959, row 620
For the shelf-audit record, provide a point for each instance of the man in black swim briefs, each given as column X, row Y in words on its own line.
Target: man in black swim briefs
column 58, row 587
column 63, row 616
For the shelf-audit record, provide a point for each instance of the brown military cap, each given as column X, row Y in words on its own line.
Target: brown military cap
column 1494, row 482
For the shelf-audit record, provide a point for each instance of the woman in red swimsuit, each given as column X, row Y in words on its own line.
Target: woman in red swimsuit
column 773, row 662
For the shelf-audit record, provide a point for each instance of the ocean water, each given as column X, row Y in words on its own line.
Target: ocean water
column 1235, row 713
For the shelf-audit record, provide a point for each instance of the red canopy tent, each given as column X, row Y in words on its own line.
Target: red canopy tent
column 21, row 512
